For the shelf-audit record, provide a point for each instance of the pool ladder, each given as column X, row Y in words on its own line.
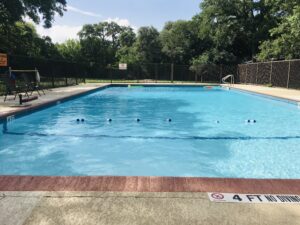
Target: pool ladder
column 231, row 77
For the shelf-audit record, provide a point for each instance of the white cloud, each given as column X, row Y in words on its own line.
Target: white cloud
column 121, row 22
column 82, row 12
column 60, row 33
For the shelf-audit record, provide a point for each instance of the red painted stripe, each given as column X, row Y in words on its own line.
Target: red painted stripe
column 149, row 184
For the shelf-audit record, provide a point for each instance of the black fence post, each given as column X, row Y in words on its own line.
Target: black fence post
column 138, row 74
column 238, row 77
column 256, row 75
column 221, row 72
column 156, row 72
column 52, row 79
column 246, row 77
column 110, row 74
column 76, row 79
column 271, row 71
column 289, row 72
column 172, row 72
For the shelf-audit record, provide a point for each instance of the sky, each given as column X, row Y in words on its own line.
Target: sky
column 134, row 13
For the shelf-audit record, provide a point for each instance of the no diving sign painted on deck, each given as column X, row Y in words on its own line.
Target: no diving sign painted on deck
column 253, row 198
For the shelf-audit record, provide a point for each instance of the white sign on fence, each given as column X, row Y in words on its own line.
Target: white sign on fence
column 122, row 66
column 253, row 198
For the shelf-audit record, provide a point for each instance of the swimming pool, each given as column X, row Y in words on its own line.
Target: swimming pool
column 208, row 136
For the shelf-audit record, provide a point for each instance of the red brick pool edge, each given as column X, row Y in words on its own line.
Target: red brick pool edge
column 149, row 184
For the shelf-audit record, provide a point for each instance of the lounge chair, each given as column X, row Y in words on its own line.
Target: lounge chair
column 12, row 87
column 33, row 83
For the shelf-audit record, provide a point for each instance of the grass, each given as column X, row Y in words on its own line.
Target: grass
column 269, row 85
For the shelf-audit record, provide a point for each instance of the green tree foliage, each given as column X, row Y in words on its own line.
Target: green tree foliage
column 12, row 11
column 19, row 37
column 127, row 51
column 100, row 42
column 179, row 40
column 128, row 54
column 241, row 30
column 127, row 37
column 23, row 39
column 47, row 49
column 145, row 48
column 148, row 45
column 235, row 28
column 285, row 38
column 71, row 50
column 19, row 40
column 225, row 31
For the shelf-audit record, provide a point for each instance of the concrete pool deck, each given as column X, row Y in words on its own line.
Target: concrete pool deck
column 87, row 200
column 288, row 94
column 114, row 208
column 12, row 106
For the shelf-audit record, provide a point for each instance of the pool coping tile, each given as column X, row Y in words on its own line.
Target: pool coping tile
column 149, row 184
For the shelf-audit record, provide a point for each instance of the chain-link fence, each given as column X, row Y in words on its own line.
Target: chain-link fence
column 55, row 73
column 274, row 73
column 163, row 73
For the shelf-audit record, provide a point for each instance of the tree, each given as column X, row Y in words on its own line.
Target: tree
column 113, row 32
column 19, row 37
column 235, row 27
column 222, row 21
column 225, row 31
column 148, row 45
column 101, row 42
column 285, row 38
column 12, row 11
column 24, row 40
column 127, row 53
column 127, row 37
column 47, row 49
column 20, row 41
column 71, row 50
column 178, row 40
column 95, row 43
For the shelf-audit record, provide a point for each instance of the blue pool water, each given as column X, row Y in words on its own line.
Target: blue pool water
column 52, row 142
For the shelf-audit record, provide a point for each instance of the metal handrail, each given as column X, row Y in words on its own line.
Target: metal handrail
column 226, row 78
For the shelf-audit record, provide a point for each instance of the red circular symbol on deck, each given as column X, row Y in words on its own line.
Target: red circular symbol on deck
column 218, row 196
